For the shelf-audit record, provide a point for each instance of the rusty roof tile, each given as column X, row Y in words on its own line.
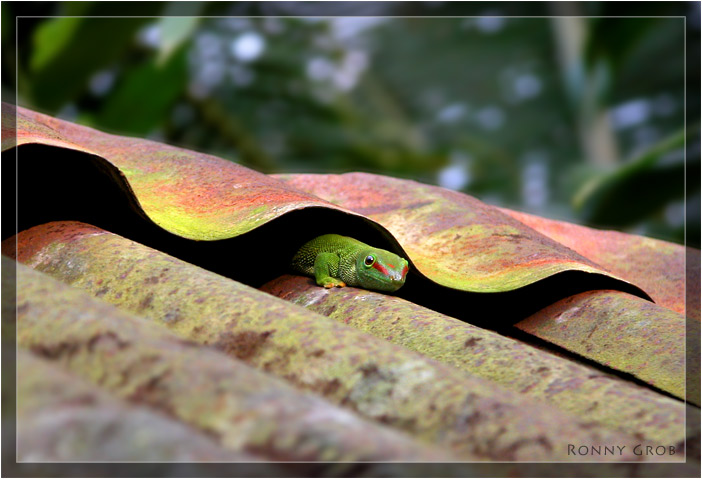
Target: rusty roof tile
column 193, row 195
column 451, row 238
column 589, row 393
column 243, row 409
column 64, row 418
column 378, row 380
column 657, row 266
column 620, row 331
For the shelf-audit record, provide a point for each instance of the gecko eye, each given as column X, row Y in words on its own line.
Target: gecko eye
column 370, row 259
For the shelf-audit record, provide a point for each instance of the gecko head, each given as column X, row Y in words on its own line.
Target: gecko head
column 381, row 270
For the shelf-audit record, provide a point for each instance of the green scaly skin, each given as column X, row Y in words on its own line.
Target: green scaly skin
column 337, row 261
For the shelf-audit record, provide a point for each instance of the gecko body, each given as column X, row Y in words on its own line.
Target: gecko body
column 337, row 261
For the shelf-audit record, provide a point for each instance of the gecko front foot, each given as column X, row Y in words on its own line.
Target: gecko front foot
column 332, row 283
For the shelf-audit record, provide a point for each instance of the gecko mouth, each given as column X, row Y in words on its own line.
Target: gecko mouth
column 398, row 277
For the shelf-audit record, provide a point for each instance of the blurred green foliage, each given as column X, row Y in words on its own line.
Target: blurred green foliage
column 657, row 171
column 579, row 119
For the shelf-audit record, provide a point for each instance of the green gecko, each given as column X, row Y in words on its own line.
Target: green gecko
column 337, row 261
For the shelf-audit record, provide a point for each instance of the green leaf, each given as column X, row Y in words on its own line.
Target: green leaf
column 140, row 102
column 51, row 38
column 635, row 190
column 68, row 51
column 177, row 25
column 66, row 69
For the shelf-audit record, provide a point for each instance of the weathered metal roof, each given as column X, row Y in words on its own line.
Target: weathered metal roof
column 450, row 238
column 515, row 338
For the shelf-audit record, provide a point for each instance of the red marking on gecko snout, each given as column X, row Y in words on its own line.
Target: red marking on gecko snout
column 405, row 270
column 391, row 265
column 380, row 268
